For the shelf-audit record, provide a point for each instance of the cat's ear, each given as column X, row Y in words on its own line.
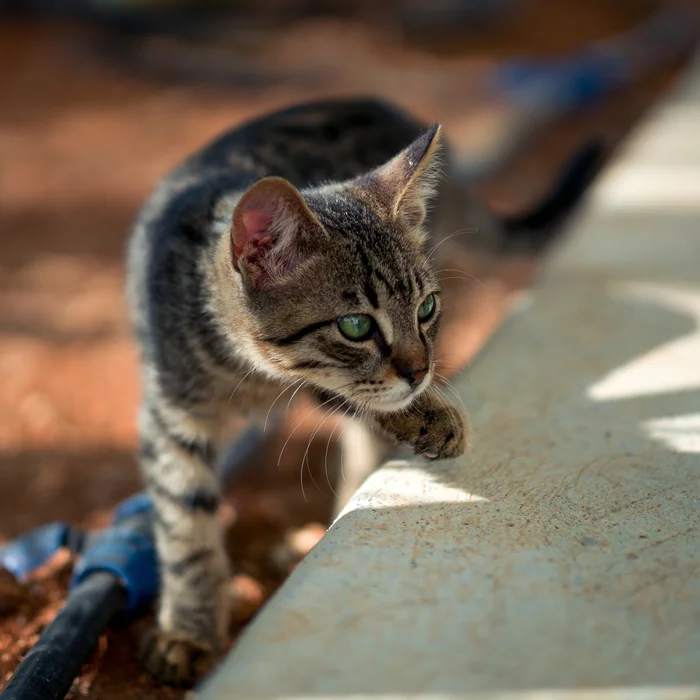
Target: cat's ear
column 273, row 231
column 411, row 178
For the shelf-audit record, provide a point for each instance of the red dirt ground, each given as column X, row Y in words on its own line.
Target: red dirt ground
column 80, row 147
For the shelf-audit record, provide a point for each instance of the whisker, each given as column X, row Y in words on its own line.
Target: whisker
column 442, row 363
column 342, row 452
column 298, row 424
column 449, row 385
column 328, row 444
column 304, row 459
column 327, row 416
column 460, row 232
column 465, row 279
column 306, row 415
column 269, row 410
column 437, row 393
column 367, row 419
column 467, row 275
column 250, row 371
column 289, row 403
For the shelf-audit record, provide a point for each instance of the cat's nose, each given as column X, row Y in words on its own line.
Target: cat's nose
column 413, row 375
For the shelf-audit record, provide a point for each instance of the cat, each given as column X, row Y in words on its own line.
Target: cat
column 293, row 252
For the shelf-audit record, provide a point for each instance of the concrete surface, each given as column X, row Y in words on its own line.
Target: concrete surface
column 560, row 558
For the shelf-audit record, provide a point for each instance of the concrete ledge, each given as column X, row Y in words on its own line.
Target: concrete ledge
column 561, row 557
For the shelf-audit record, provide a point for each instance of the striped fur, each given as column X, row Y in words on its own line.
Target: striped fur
column 239, row 266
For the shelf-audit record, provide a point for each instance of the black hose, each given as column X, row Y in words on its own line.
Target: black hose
column 48, row 670
column 50, row 667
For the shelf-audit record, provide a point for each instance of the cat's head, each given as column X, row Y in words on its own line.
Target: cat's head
column 339, row 282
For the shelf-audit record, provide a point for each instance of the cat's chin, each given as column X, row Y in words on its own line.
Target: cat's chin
column 393, row 406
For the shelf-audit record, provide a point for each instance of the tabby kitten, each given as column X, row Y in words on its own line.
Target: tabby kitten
column 291, row 252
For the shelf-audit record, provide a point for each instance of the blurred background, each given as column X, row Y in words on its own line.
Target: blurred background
column 100, row 98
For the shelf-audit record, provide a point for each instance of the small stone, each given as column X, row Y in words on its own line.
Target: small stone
column 304, row 540
column 247, row 597
column 227, row 515
column 281, row 559
column 284, row 556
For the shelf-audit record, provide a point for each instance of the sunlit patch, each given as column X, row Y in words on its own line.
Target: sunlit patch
column 398, row 484
column 680, row 433
column 670, row 179
column 671, row 367
column 651, row 188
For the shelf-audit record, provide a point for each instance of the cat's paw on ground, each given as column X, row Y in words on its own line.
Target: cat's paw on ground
column 433, row 431
column 174, row 658
column 443, row 434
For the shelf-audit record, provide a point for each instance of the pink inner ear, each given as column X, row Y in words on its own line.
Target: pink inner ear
column 266, row 231
column 250, row 234
column 254, row 223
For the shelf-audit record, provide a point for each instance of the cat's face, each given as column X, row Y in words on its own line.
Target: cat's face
column 361, row 322
column 340, row 283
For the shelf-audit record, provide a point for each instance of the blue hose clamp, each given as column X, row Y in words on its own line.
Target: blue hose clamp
column 125, row 552
column 138, row 503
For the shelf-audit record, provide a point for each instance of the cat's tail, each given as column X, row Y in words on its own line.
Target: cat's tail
column 532, row 231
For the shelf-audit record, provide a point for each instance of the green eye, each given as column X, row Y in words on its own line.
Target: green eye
column 358, row 327
column 427, row 308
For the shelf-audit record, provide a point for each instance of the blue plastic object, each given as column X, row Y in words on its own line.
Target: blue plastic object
column 127, row 551
column 568, row 84
column 580, row 80
column 33, row 549
column 138, row 503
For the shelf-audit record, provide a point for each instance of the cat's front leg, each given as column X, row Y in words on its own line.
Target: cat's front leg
column 364, row 449
column 432, row 426
column 177, row 459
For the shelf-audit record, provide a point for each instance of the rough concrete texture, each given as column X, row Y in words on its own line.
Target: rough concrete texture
column 560, row 558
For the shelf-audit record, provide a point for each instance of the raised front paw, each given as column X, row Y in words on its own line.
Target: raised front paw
column 436, row 432
column 174, row 658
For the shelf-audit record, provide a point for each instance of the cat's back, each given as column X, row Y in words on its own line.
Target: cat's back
column 312, row 142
